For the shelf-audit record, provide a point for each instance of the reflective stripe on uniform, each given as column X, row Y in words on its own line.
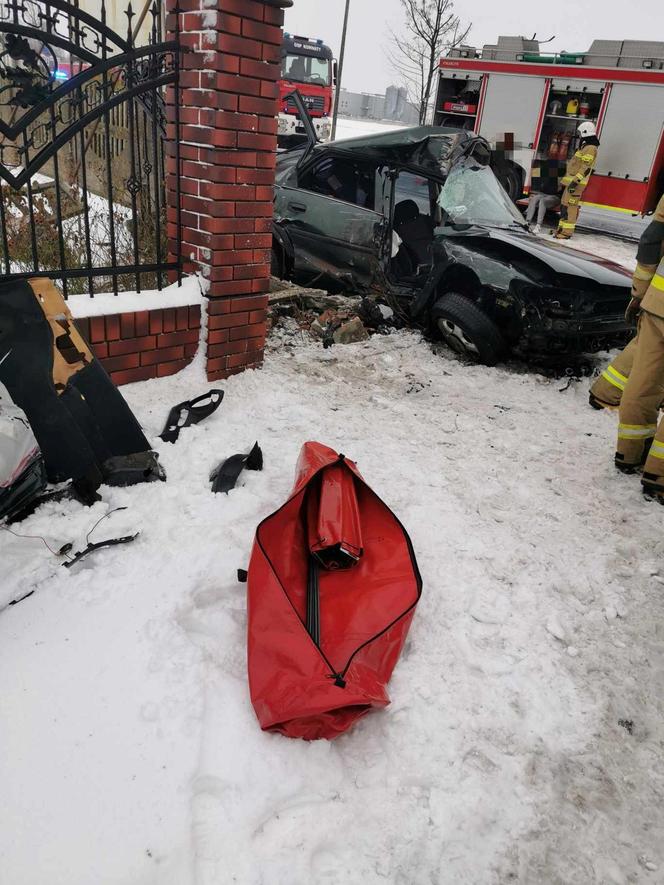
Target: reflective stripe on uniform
column 567, row 179
column 658, row 282
column 614, row 377
column 643, row 273
column 587, row 158
column 636, row 431
column 567, row 225
column 657, row 450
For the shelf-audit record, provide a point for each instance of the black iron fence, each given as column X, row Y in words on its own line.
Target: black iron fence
column 83, row 145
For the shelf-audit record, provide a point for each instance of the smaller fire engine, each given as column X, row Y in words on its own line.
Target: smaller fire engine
column 530, row 104
column 308, row 66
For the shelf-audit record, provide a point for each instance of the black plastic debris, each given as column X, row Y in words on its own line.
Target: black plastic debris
column 190, row 412
column 225, row 476
column 83, row 426
column 100, row 545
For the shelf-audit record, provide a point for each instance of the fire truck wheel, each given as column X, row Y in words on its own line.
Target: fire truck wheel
column 467, row 330
column 510, row 179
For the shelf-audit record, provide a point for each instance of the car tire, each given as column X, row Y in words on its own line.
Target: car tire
column 277, row 268
column 510, row 179
column 467, row 330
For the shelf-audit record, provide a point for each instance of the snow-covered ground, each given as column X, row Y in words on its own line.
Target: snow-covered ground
column 349, row 128
column 524, row 741
column 523, row 744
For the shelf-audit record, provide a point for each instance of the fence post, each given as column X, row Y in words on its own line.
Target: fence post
column 230, row 64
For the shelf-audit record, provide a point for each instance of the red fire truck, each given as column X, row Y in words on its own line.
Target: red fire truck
column 512, row 92
column 308, row 66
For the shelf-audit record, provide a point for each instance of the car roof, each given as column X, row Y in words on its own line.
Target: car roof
column 431, row 150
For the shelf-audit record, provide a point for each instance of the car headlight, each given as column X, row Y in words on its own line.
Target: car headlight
column 325, row 130
column 283, row 126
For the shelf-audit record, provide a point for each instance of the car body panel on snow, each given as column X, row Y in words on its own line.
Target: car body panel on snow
column 417, row 215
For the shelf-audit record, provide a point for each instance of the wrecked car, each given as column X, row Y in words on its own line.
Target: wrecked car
column 418, row 217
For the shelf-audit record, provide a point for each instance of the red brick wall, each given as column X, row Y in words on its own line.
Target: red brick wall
column 149, row 344
column 228, row 109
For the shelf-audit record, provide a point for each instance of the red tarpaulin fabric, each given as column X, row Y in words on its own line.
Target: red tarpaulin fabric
column 367, row 586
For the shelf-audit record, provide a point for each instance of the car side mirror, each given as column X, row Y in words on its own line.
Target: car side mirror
column 335, row 73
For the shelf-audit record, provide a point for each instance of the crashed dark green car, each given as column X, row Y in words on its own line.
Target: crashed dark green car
column 418, row 216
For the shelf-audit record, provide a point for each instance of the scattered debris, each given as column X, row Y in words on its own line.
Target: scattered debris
column 417, row 386
column 627, row 724
column 350, row 332
column 647, row 864
column 192, row 411
column 226, row 475
column 296, row 311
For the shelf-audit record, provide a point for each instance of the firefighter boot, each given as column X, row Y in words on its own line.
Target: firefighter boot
column 653, row 487
column 630, row 467
column 569, row 214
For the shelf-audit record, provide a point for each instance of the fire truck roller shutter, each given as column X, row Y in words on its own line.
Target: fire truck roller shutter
column 628, row 150
column 512, row 105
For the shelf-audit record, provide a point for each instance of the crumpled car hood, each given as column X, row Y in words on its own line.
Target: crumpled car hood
column 544, row 262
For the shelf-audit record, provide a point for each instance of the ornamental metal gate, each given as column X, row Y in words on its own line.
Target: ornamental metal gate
column 83, row 145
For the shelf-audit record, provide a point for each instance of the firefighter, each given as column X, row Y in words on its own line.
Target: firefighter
column 578, row 174
column 640, row 440
column 607, row 390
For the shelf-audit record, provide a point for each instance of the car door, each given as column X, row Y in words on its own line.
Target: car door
column 337, row 233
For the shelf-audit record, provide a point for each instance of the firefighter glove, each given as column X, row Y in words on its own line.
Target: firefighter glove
column 633, row 310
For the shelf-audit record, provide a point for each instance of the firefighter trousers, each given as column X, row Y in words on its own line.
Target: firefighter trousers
column 642, row 398
column 569, row 215
column 608, row 388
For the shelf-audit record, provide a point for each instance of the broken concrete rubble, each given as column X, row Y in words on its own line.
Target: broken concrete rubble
column 295, row 312
column 351, row 332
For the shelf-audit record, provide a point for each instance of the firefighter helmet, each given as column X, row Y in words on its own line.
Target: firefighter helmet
column 587, row 130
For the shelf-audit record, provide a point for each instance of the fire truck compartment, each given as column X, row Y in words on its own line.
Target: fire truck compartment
column 537, row 101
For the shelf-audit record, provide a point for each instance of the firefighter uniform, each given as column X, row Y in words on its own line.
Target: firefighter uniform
column 608, row 389
column 640, row 440
column 579, row 170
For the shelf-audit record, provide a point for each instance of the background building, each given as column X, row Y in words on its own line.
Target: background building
column 394, row 105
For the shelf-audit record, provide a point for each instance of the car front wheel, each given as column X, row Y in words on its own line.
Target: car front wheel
column 467, row 330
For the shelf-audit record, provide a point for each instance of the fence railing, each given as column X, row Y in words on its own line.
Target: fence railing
column 83, row 146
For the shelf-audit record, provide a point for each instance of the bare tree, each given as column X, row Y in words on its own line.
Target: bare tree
column 431, row 28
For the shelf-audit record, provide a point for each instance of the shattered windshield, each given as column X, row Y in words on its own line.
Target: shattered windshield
column 473, row 195
column 306, row 69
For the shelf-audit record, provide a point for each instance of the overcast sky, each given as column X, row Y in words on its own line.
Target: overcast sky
column 574, row 24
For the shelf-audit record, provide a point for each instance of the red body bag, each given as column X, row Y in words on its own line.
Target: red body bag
column 333, row 533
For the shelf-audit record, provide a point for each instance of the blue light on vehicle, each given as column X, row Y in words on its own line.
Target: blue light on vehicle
column 61, row 75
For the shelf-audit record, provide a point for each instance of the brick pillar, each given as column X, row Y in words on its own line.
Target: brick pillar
column 230, row 64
